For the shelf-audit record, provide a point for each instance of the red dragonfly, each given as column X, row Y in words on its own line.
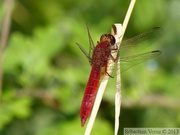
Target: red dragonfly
column 130, row 55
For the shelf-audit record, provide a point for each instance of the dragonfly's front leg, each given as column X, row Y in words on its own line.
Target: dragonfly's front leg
column 105, row 71
column 114, row 60
column 114, row 48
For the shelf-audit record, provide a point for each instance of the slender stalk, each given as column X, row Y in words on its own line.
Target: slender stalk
column 104, row 82
column 118, row 95
column 8, row 4
column 117, row 34
column 128, row 15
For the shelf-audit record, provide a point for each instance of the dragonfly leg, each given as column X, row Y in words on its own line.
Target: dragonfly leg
column 85, row 53
column 109, row 74
column 105, row 71
column 114, row 59
column 114, row 47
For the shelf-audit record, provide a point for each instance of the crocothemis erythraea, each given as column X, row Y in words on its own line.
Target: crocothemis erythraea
column 130, row 55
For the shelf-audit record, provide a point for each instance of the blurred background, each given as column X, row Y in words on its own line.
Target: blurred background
column 44, row 74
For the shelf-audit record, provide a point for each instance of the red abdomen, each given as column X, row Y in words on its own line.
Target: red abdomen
column 89, row 94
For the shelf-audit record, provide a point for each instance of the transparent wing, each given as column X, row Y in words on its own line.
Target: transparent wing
column 131, row 50
column 130, row 61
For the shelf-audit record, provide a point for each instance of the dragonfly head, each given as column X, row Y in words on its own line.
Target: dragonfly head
column 108, row 37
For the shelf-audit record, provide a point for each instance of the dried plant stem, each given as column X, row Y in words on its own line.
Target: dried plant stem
column 118, row 96
column 128, row 15
column 104, row 82
column 8, row 4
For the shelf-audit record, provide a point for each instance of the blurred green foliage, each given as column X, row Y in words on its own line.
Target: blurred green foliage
column 45, row 73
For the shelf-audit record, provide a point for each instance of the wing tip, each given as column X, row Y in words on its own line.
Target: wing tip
column 157, row 51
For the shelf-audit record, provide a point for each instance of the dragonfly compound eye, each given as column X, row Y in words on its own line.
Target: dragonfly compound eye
column 108, row 37
column 112, row 39
column 103, row 37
